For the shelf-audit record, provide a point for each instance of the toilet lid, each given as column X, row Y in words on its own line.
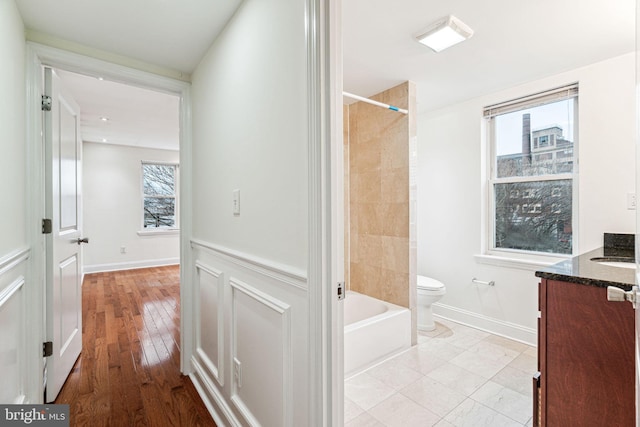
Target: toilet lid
column 429, row 283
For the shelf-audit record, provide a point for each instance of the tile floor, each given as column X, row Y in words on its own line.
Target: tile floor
column 455, row 376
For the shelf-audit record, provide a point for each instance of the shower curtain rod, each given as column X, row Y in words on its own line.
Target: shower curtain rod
column 372, row 102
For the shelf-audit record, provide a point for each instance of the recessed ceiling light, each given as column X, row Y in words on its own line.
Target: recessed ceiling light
column 445, row 33
column 101, row 78
column 104, row 140
column 104, row 119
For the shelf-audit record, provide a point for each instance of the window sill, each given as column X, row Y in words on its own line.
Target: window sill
column 159, row 232
column 522, row 262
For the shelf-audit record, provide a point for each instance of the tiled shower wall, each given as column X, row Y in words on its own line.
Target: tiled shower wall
column 380, row 175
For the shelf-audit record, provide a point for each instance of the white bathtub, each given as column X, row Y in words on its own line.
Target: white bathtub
column 374, row 330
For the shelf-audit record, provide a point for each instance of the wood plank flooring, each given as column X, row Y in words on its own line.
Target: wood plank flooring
column 128, row 373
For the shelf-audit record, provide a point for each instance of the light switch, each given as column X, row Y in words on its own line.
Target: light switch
column 236, row 202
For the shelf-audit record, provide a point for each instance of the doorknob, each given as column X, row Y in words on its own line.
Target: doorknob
column 616, row 294
column 83, row 240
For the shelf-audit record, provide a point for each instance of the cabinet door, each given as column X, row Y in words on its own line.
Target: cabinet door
column 588, row 366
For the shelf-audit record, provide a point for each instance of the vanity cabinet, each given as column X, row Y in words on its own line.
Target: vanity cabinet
column 585, row 358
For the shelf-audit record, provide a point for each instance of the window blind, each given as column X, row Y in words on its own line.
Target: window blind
column 541, row 98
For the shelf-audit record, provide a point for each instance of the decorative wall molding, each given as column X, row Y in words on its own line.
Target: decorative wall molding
column 488, row 324
column 10, row 290
column 13, row 346
column 11, row 260
column 283, row 310
column 213, row 400
column 100, row 268
column 280, row 272
column 216, row 369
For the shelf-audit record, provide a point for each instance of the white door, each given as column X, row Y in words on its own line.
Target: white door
column 63, row 154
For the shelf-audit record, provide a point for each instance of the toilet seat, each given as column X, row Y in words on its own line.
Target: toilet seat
column 429, row 284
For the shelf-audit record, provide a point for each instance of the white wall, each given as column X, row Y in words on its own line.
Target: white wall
column 113, row 209
column 249, row 116
column 14, row 279
column 12, row 105
column 250, row 133
column 451, row 159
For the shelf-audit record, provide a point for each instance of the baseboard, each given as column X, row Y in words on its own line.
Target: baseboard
column 212, row 398
column 100, row 268
column 488, row 324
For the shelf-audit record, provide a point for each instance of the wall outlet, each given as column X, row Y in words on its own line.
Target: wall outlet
column 123, row 249
column 631, row 201
column 237, row 371
column 236, row 202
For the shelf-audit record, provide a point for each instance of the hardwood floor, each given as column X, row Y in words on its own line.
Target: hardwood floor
column 128, row 373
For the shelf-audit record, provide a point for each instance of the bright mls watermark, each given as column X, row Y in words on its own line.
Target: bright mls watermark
column 34, row 415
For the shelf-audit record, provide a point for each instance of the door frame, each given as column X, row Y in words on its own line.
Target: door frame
column 326, row 211
column 37, row 56
column 326, row 218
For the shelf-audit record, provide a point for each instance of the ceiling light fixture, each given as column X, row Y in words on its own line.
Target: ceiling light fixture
column 445, row 33
column 104, row 139
column 104, row 119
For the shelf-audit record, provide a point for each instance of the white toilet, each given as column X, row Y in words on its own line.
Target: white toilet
column 429, row 291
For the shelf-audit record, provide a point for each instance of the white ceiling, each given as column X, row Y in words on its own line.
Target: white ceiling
column 174, row 34
column 170, row 33
column 135, row 116
column 515, row 41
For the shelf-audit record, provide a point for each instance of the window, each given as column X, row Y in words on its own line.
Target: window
column 546, row 124
column 544, row 141
column 159, row 183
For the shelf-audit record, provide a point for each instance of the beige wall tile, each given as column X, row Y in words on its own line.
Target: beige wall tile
column 378, row 194
column 393, row 287
column 395, row 254
column 395, row 222
column 366, row 157
column 395, row 187
column 395, row 150
column 369, row 249
column 369, row 218
column 364, row 278
column 366, row 187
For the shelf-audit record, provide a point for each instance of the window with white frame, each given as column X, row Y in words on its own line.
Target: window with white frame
column 159, row 188
column 533, row 171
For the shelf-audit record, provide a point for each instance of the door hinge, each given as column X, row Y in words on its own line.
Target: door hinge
column 47, row 349
column 46, row 103
column 341, row 294
column 46, row 226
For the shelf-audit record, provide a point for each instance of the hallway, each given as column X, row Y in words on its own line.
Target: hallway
column 129, row 370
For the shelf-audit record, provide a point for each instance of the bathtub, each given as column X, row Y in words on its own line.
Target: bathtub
column 374, row 330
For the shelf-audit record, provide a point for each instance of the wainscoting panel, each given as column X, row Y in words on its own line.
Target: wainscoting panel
column 261, row 379
column 70, row 306
column 210, row 327
column 250, row 358
column 13, row 317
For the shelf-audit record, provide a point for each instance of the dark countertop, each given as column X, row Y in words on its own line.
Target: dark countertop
column 581, row 270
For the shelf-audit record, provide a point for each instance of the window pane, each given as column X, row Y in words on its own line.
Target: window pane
column 534, row 216
column 535, row 141
column 159, row 180
column 159, row 212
